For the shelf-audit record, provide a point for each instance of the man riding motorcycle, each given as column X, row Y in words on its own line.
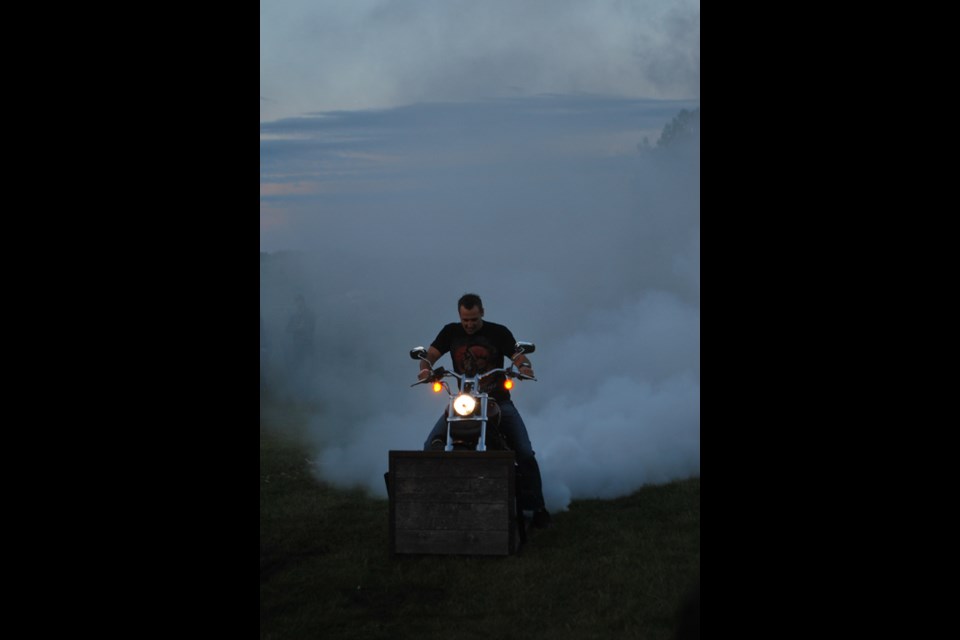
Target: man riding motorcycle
column 477, row 346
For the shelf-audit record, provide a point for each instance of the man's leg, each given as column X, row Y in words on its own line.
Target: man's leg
column 439, row 434
column 530, row 483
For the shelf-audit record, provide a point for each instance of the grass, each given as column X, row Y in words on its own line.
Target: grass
column 605, row 569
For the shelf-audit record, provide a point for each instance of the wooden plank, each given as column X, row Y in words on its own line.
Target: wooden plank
column 452, row 542
column 486, row 455
column 451, row 489
column 455, row 463
column 453, row 467
column 448, row 516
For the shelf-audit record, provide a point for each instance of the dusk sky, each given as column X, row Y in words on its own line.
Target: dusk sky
column 325, row 55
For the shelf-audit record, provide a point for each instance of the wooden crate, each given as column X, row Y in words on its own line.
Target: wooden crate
column 458, row 502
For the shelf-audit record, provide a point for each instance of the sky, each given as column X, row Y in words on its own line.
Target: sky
column 327, row 55
column 414, row 151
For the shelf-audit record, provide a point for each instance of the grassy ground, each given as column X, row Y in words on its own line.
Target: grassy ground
column 605, row 569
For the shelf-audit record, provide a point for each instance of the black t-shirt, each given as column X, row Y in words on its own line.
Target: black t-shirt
column 484, row 350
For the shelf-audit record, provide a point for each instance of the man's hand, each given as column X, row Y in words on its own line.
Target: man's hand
column 526, row 369
column 432, row 356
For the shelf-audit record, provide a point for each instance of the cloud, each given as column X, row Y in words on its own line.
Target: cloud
column 381, row 53
column 493, row 158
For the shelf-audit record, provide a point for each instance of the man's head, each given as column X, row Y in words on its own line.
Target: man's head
column 470, row 308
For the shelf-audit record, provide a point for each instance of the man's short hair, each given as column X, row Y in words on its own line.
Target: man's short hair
column 469, row 301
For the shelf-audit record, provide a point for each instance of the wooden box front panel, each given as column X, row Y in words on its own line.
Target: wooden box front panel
column 458, row 502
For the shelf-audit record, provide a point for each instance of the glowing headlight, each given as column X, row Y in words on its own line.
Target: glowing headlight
column 464, row 404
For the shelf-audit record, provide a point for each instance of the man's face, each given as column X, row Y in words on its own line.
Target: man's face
column 471, row 319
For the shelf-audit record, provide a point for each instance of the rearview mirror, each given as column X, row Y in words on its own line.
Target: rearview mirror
column 418, row 352
column 524, row 347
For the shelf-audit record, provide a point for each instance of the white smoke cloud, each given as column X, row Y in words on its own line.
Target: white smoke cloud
column 629, row 415
column 575, row 239
column 355, row 54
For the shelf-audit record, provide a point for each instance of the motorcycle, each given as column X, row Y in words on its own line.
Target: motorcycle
column 462, row 496
column 471, row 411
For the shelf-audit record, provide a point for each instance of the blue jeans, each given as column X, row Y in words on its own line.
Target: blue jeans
column 511, row 426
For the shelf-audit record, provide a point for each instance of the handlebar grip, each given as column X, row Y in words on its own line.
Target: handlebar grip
column 435, row 375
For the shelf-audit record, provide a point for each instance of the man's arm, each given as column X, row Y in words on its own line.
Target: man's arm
column 523, row 363
column 521, row 360
column 433, row 354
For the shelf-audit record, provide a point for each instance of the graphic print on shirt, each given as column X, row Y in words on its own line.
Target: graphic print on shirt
column 476, row 355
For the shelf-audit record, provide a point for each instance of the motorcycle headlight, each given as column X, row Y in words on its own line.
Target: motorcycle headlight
column 464, row 404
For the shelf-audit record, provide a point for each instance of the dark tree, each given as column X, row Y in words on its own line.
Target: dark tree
column 685, row 126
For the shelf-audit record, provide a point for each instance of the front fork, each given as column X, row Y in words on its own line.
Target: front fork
column 482, row 442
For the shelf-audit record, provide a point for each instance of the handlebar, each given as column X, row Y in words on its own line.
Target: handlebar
column 440, row 373
column 510, row 372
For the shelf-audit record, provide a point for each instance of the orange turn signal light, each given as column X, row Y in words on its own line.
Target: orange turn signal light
column 508, row 384
column 437, row 387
